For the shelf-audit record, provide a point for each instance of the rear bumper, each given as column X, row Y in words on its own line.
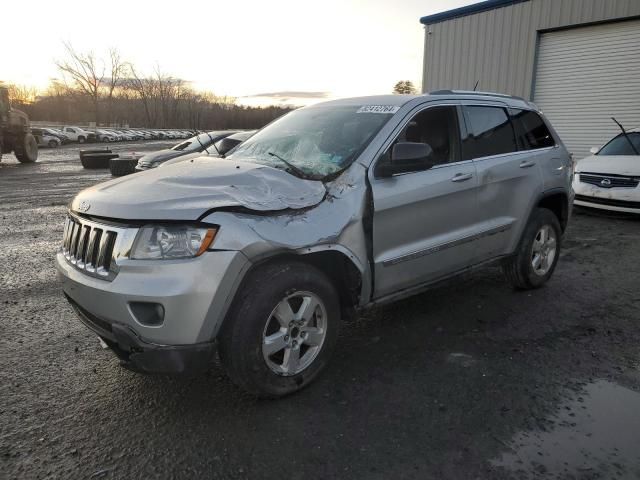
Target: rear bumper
column 144, row 357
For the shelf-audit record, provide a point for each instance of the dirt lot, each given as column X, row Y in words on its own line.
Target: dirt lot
column 469, row 381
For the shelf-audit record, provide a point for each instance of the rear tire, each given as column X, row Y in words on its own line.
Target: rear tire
column 538, row 251
column 272, row 354
column 122, row 166
column 26, row 149
column 53, row 144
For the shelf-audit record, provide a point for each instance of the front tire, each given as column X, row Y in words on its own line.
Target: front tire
column 537, row 255
column 282, row 329
column 81, row 139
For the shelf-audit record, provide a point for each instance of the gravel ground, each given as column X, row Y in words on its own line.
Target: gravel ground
column 469, row 381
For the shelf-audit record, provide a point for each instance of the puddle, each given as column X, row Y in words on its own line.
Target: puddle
column 596, row 435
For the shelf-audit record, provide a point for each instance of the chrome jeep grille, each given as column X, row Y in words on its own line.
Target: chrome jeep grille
column 89, row 247
column 604, row 180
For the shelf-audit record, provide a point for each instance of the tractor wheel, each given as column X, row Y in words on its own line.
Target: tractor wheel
column 26, row 149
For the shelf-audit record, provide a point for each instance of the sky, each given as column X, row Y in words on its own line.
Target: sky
column 259, row 51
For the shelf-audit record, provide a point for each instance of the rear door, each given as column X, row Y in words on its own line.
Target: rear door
column 424, row 222
column 509, row 177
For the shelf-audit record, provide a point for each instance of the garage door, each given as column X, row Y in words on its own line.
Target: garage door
column 587, row 75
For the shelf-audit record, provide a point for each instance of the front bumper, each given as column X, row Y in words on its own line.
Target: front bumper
column 194, row 294
column 613, row 199
column 140, row 356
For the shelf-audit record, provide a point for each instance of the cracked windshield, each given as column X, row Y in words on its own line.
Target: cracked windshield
column 314, row 142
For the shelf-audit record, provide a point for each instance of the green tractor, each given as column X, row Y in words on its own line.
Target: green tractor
column 15, row 132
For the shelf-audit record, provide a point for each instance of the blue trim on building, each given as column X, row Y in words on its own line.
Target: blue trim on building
column 468, row 10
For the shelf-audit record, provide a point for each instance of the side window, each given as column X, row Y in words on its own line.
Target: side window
column 437, row 127
column 489, row 132
column 531, row 131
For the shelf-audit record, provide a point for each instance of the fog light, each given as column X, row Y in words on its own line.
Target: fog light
column 151, row 314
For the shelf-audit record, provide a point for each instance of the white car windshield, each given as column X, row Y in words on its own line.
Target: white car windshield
column 622, row 145
column 315, row 142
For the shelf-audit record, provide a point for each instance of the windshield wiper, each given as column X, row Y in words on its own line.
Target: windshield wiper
column 214, row 146
column 296, row 170
column 624, row 132
column 198, row 139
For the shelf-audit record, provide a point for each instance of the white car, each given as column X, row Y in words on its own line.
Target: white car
column 75, row 134
column 45, row 139
column 610, row 178
column 104, row 136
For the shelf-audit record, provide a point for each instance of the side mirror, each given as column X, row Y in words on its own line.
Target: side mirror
column 407, row 157
column 594, row 150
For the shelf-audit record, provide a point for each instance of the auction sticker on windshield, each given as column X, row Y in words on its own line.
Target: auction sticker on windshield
column 378, row 109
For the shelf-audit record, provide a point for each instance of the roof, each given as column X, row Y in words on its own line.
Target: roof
column 468, row 10
column 392, row 99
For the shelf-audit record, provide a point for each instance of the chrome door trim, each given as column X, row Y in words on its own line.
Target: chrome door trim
column 443, row 246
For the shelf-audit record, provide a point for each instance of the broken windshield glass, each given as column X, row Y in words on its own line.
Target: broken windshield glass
column 318, row 141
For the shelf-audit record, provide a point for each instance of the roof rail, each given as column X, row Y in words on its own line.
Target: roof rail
column 475, row 92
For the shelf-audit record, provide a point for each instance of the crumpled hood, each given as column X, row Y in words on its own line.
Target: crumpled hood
column 187, row 190
column 613, row 164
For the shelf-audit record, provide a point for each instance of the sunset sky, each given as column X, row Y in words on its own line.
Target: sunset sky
column 279, row 51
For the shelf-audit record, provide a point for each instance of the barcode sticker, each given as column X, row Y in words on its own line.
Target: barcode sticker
column 378, row 109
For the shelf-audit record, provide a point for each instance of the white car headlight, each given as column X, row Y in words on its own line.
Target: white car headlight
column 167, row 242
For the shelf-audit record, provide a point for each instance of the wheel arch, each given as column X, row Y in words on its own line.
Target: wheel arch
column 343, row 271
column 558, row 202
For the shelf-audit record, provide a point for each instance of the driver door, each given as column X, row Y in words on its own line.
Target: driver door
column 424, row 222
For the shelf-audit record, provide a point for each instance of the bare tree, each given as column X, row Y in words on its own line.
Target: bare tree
column 118, row 70
column 85, row 72
column 143, row 88
column 22, row 94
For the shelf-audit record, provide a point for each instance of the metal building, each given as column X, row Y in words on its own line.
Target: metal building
column 578, row 60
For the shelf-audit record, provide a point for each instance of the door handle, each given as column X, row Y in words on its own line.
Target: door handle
column 462, row 177
column 526, row 164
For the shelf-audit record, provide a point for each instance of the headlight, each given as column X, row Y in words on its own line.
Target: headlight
column 171, row 241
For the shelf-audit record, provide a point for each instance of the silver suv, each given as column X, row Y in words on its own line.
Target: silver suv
column 327, row 210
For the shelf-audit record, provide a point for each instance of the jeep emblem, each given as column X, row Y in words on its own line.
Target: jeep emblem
column 84, row 206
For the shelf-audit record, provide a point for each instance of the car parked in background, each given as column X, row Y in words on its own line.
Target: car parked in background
column 76, row 134
column 57, row 133
column 105, row 136
column 45, row 139
column 217, row 150
column 195, row 144
column 609, row 179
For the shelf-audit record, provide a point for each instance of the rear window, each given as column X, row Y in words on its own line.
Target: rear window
column 531, row 131
column 489, row 132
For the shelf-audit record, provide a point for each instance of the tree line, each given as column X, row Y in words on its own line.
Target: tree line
column 111, row 91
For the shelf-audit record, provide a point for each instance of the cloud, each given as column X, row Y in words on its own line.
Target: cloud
column 290, row 95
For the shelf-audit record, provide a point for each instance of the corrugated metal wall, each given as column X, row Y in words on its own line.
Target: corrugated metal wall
column 587, row 75
column 498, row 47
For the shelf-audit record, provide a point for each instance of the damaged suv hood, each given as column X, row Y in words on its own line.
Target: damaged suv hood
column 185, row 191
